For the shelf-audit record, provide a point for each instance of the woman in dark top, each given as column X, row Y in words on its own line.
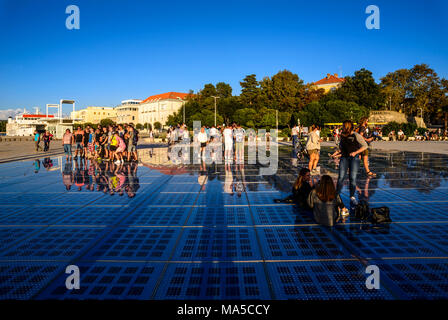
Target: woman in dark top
column 350, row 146
column 300, row 190
column 327, row 205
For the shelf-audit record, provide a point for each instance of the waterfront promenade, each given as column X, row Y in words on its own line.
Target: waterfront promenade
column 24, row 150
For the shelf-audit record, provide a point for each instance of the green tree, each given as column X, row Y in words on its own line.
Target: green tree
column 250, row 90
column 361, row 89
column 139, row 126
column 425, row 89
column 284, row 91
column 157, row 125
column 223, row 90
column 107, row 122
column 395, row 87
column 3, row 125
column 208, row 91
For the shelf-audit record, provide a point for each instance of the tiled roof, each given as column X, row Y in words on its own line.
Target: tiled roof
column 37, row 116
column 167, row 95
column 329, row 79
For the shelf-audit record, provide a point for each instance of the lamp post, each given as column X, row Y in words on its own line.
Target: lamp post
column 215, row 108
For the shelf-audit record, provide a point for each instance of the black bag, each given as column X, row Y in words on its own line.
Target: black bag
column 381, row 215
column 362, row 211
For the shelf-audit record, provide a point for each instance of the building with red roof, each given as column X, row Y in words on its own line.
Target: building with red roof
column 330, row 82
column 159, row 107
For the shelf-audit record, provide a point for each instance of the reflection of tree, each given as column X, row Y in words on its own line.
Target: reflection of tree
column 422, row 171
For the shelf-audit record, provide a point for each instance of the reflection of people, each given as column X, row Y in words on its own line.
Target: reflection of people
column 36, row 165
column 202, row 179
column 228, row 181
column 67, row 175
column 326, row 204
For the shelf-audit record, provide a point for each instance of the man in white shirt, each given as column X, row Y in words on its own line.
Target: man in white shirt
column 202, row 139
column 228, row 142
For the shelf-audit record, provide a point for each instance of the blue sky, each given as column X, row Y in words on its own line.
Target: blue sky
column 134, row 49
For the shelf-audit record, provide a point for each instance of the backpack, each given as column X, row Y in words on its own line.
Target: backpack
column 381, row 215
column 362, row 211
column 135, row 138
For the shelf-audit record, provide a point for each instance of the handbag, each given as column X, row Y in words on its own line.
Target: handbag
column 362, row 211
column 381, row 215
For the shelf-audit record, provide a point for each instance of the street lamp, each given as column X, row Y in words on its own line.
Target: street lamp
column 183, row 105
column 215, row 107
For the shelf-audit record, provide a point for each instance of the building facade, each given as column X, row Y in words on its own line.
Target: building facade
column 94, row 114
column 157, row 108
column 330, row 82
column 26, row 124
column 127, row 111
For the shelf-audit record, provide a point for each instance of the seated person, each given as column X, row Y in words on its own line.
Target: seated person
column 300, row 190
column 326, row 204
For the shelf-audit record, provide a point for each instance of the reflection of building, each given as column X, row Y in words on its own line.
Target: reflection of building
column 127, row 111
column 157, row 108
column 94, row 114
column 330, row 82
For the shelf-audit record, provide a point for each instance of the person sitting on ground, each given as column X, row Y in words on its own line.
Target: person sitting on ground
column 327, row 206
column 401, row 136
column 300, row 190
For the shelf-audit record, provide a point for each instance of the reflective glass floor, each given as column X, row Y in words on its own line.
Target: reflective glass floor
column 214, row 232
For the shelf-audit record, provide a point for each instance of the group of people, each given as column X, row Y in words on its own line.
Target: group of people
column 111, row 143
column 46, row 137
column 324, row 198
column 232, row 138
column 361, row 133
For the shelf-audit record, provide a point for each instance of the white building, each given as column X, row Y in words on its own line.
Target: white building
column 127, row 111
column 157, row 108
column 26, row 123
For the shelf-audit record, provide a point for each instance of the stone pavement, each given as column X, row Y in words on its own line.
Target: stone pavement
column 23, row 150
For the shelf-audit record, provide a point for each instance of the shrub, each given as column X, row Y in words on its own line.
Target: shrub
column 421, row 131
column 391, row 126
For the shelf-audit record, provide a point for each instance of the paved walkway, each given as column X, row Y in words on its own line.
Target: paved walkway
column 23, row 150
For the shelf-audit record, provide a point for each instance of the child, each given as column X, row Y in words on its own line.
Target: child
column 326, row 204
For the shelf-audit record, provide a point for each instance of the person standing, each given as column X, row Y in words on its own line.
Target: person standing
column 86, row 142
column 36, row 139
column 132, row 143
column 363, row 131
column 228, row 142
column 79, row 136
column 240, row 133
column 351, row 145
column 67, row 141
column 295, row 136
column 313, row 147
column 47, row 138
column 202, row 139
